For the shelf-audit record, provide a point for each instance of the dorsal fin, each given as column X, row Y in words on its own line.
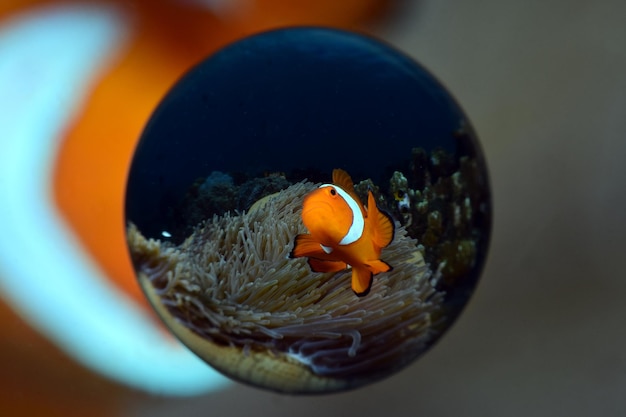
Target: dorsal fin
column 381, row 223
column 343, row 179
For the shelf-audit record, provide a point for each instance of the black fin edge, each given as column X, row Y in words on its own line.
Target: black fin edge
column 369, row 287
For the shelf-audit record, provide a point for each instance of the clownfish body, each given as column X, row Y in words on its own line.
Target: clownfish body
column 343, row 233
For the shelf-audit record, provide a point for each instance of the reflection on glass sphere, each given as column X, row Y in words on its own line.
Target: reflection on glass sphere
column 395, row 226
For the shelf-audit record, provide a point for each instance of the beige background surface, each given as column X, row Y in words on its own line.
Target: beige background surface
column 545, row 334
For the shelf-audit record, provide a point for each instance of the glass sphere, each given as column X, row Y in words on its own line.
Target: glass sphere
column 308, row 210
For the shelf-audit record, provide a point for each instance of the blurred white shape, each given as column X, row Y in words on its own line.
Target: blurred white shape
column 50, row 57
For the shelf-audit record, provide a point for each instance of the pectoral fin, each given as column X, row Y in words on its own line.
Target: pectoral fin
column 305, row 246
column 378, row 266
column 320, row 265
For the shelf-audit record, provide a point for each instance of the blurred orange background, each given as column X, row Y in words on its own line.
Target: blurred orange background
column 165, row 39
column 544, row 85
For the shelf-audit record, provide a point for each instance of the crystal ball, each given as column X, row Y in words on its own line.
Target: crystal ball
column 308, row 210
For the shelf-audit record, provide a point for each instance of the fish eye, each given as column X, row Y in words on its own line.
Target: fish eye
column 333, row 191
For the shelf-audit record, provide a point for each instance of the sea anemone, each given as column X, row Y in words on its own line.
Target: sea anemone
column 231, row 293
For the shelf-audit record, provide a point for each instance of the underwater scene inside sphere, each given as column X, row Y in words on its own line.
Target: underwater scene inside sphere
column 308, row 210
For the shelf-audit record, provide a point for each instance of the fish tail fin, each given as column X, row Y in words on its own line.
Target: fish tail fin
column 361, row 281
column 383, row 227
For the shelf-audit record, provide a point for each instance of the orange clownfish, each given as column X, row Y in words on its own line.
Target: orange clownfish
column 343, row 233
